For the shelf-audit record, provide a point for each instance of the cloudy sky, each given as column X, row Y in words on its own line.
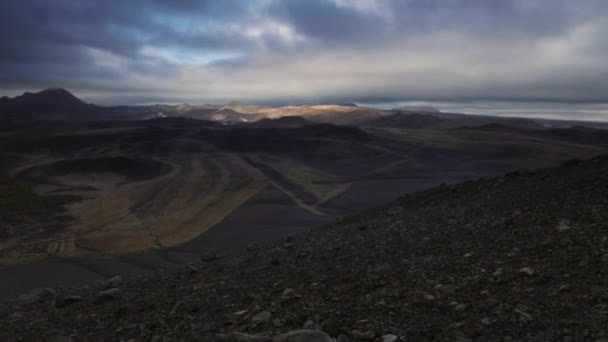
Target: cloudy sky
column 142, row 51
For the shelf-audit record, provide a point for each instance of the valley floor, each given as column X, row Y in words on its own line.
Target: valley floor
column 523, row 257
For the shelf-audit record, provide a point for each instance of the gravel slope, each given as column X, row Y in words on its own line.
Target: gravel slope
column 517, row 258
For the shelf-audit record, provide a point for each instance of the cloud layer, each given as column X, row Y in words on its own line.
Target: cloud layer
column 136, row 51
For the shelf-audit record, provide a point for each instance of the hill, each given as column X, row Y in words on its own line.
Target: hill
column 520, row 257
column 48, row 103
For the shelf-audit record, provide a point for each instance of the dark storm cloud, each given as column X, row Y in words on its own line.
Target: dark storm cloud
column 297, row 49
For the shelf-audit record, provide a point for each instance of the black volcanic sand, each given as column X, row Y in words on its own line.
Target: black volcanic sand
column 523, row 257
column 268, row 216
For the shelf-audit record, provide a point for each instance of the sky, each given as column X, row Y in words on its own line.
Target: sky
column 197, row 51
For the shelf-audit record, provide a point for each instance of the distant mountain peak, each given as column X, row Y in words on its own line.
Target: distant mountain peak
column 52, row 101
column 56, row 91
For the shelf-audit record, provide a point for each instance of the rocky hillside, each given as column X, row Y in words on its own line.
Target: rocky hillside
column 523, row 257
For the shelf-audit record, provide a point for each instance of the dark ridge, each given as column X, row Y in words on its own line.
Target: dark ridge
column 331, row 130
column 406, row 120
column 178, row 121
column 283, row 122
column 496, row 127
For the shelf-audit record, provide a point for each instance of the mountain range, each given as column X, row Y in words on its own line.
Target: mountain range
column 60, row 104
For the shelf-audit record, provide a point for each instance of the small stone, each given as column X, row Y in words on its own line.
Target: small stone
column 363, row 335
column 107, row 296
column 429, row 297
column 529, row 271
column 240, row 313
column 303, row 336
column 115, row 281
column 239, row 337
column 192, row 269
column 209, row 255
column 486, row 321
column 389, row 338
column 524, row 317
column 309, row 325
column 460, row 307
column 261, row 317
column 332, row 325
column 304, row 254
column 563, row 226
column 497, row 272
column 468, row 255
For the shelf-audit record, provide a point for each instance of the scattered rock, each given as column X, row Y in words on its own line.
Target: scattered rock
column 528, row 271
column 304, row 254
column 303, row 336
column 461, row 307
column 209, row 255
column 309, row 324
column 115, row 281
column 107, row 296
column 192, row 269
column 261, row 317
column 389, row 338
column 524, row 317
column 563, row 226
column 239, row 337
column 332, row 325
column 363, row 335
column 241, row 312
column 38, row 295
column 394, row 211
